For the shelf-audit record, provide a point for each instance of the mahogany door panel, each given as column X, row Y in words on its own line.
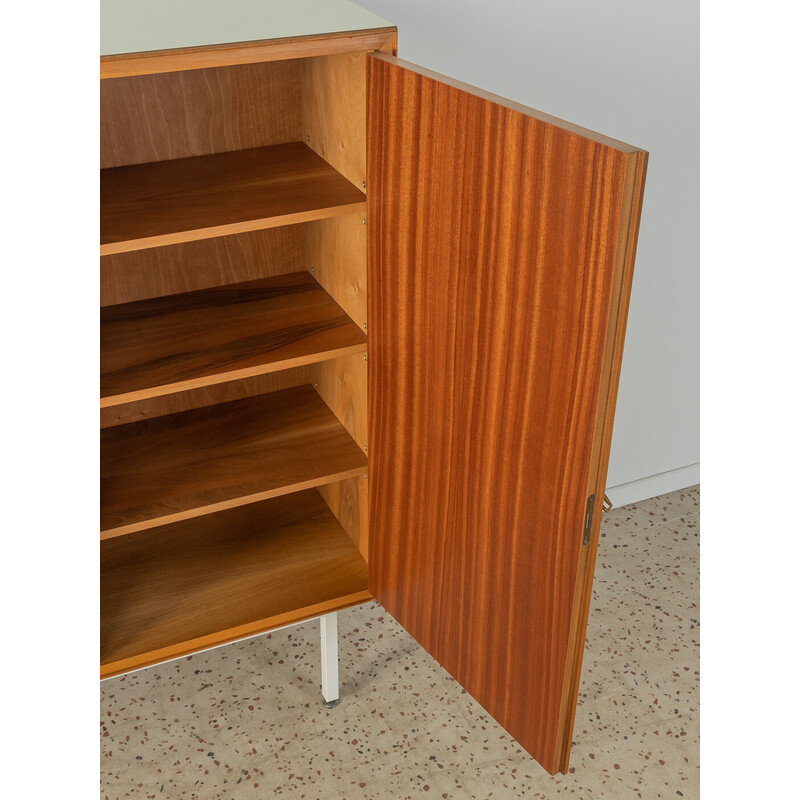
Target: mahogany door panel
column 497, row 239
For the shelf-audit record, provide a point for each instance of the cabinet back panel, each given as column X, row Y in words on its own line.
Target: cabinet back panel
column 189, row 266
column 197, row 112
column 205, row 396
column 336, row 248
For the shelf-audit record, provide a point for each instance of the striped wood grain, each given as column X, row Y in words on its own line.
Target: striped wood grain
column 492, row 252
column 601, row 448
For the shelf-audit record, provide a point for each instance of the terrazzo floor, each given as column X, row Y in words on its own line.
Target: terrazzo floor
column 245, row 721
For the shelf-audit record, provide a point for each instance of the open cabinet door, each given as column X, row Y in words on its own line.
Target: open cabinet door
column 500, row 249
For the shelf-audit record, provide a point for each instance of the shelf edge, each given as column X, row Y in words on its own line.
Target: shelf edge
column 225, row 377
column 181, row 649
column 196, row 234
column 201, row 511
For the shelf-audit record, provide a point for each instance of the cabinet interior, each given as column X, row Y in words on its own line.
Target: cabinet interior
column 233, row 352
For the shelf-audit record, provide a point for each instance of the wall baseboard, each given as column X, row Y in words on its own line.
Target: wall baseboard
column 654, row 485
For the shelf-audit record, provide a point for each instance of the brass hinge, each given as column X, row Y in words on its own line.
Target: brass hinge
column 587, row 522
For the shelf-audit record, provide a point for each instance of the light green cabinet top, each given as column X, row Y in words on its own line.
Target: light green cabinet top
column 136, row 26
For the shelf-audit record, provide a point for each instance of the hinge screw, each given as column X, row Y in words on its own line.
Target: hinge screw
column 364, row 184
column 364, row 220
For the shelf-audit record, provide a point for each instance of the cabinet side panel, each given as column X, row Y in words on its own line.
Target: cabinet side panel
column 348, row 501
column 333, row 89
column 492, row 237
column 342, row 384
column 336, row 255
column 333, row 111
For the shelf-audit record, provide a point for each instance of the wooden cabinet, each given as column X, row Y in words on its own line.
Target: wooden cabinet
column 361, row 335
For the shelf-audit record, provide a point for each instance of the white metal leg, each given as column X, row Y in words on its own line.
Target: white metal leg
column 330, row 660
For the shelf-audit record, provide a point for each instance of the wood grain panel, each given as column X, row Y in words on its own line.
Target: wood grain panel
column 173, row 651
column 206, row 581
column 342, row 384
column 150, row 205
column 492, row 252
column 349, row 502
column 333, row 112
column 194, row 113
column 186, row 465
column 187, row 267
column 336, row 250
column 223, row 55
column 215, row 394
column 169, row 344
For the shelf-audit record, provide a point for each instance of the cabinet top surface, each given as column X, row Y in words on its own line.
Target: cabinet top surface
column 138, row 26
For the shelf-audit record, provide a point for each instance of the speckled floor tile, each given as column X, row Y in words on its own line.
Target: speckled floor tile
column 245, row 721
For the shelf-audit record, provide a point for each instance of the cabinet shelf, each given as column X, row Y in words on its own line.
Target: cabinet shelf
column 202, row 582
column 168, row 344
column 185, row 199
column 183, row 465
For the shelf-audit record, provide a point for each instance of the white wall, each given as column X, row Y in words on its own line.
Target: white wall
column 628, row 69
